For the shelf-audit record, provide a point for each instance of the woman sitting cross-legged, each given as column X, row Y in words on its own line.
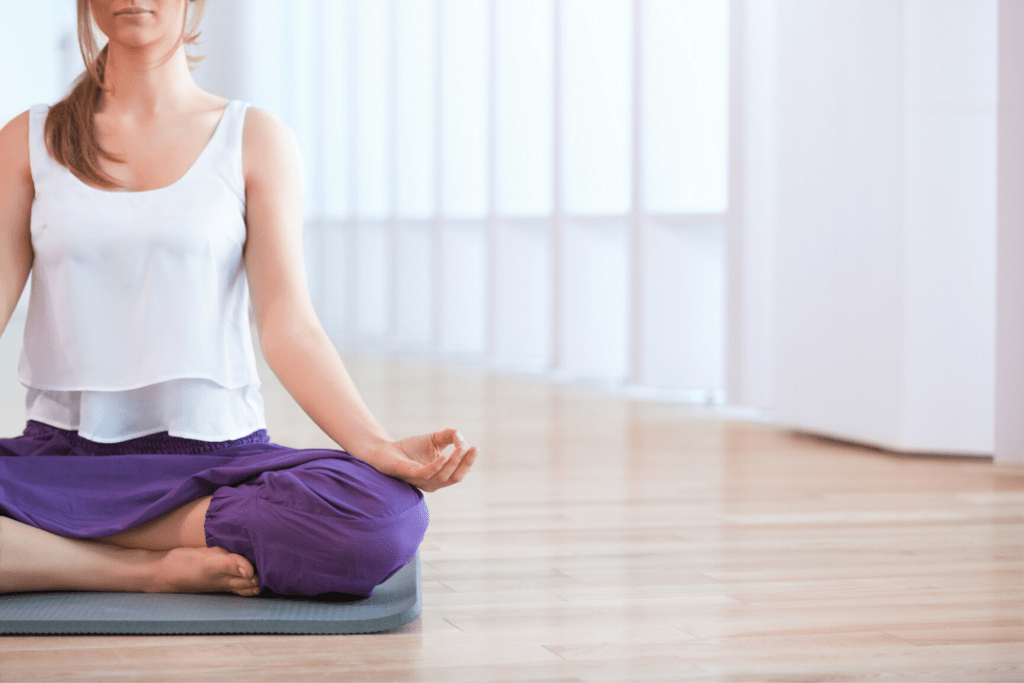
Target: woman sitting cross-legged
column 150, row 213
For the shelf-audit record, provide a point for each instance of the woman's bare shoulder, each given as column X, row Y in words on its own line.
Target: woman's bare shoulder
column 268, row 146
column 262, row 128
column 14, row 155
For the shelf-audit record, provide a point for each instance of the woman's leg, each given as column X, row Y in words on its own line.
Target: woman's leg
column 32, row 559
column 333, row 525
column 181, row 528
column 328, row 525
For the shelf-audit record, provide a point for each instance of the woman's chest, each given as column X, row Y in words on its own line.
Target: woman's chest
column 154, row 155
column 196, row 221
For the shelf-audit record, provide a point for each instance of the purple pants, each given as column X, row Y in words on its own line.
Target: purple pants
column 311, row 521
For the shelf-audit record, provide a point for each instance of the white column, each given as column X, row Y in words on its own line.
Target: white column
column 750, row 242
column 491, row 221
column 1009, row 412
column 392, row 164
column 437, row 232
column 637, row 225
column 735, row 301
column 557, row 193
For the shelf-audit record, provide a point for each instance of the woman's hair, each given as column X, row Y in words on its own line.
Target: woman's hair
column 69, row 131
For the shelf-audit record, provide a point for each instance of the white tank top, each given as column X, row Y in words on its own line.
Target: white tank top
column 138, row 314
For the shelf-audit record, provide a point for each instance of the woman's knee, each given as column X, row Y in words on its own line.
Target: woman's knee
column 297, row 554
column 307, row 546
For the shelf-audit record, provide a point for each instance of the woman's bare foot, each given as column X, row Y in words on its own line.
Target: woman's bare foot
column 35, row 560
column 203, row 570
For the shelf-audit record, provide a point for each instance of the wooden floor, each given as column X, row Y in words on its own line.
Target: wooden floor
column 605, row 539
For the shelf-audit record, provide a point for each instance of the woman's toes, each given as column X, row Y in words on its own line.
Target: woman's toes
column 204, row 570
column 244, row 583
column 247, row 591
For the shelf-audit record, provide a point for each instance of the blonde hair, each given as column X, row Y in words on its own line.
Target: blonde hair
column 70, row 133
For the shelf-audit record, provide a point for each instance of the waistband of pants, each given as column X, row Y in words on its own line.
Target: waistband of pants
column 161, row 442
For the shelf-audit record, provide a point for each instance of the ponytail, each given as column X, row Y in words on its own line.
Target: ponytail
column 70, row 132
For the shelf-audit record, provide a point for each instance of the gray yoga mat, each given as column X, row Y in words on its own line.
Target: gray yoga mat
column 394, row 603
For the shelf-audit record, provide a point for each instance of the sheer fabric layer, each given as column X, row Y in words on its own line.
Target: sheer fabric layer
column 186, row 408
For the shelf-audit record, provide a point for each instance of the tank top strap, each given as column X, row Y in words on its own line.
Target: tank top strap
column 39, row 159
column 226, row 147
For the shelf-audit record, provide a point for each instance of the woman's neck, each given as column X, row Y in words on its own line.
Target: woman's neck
column 146, row 82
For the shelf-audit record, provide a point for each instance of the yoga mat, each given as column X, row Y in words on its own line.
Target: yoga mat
column 394, row 603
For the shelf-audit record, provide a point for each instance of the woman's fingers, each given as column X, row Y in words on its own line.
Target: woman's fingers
column 444, row 438
column 445, row 470
column 449, row 468
column 435, row 466
column 457, row 468
column 463, row 468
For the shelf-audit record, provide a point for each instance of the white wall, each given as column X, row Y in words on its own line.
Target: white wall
column 879, row 165
column 1009, row 423
column 949, row 218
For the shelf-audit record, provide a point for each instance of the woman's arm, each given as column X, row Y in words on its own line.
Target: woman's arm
column 16, row 193
column 293, row 341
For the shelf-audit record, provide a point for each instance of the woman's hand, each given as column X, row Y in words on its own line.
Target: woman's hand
column 422, row 461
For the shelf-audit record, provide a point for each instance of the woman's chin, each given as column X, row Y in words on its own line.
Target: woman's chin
column 140, row 38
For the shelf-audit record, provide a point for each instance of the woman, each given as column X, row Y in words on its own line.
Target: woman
column 149, row 212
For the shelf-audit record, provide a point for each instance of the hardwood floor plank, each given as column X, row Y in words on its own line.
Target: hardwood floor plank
column 491, row 597
column 798, row 589
column 875, row 618
column 819, row 648
column 940, row 663
column 955, row 636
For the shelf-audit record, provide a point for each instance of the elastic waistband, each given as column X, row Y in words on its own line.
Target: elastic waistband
column 161, row 442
